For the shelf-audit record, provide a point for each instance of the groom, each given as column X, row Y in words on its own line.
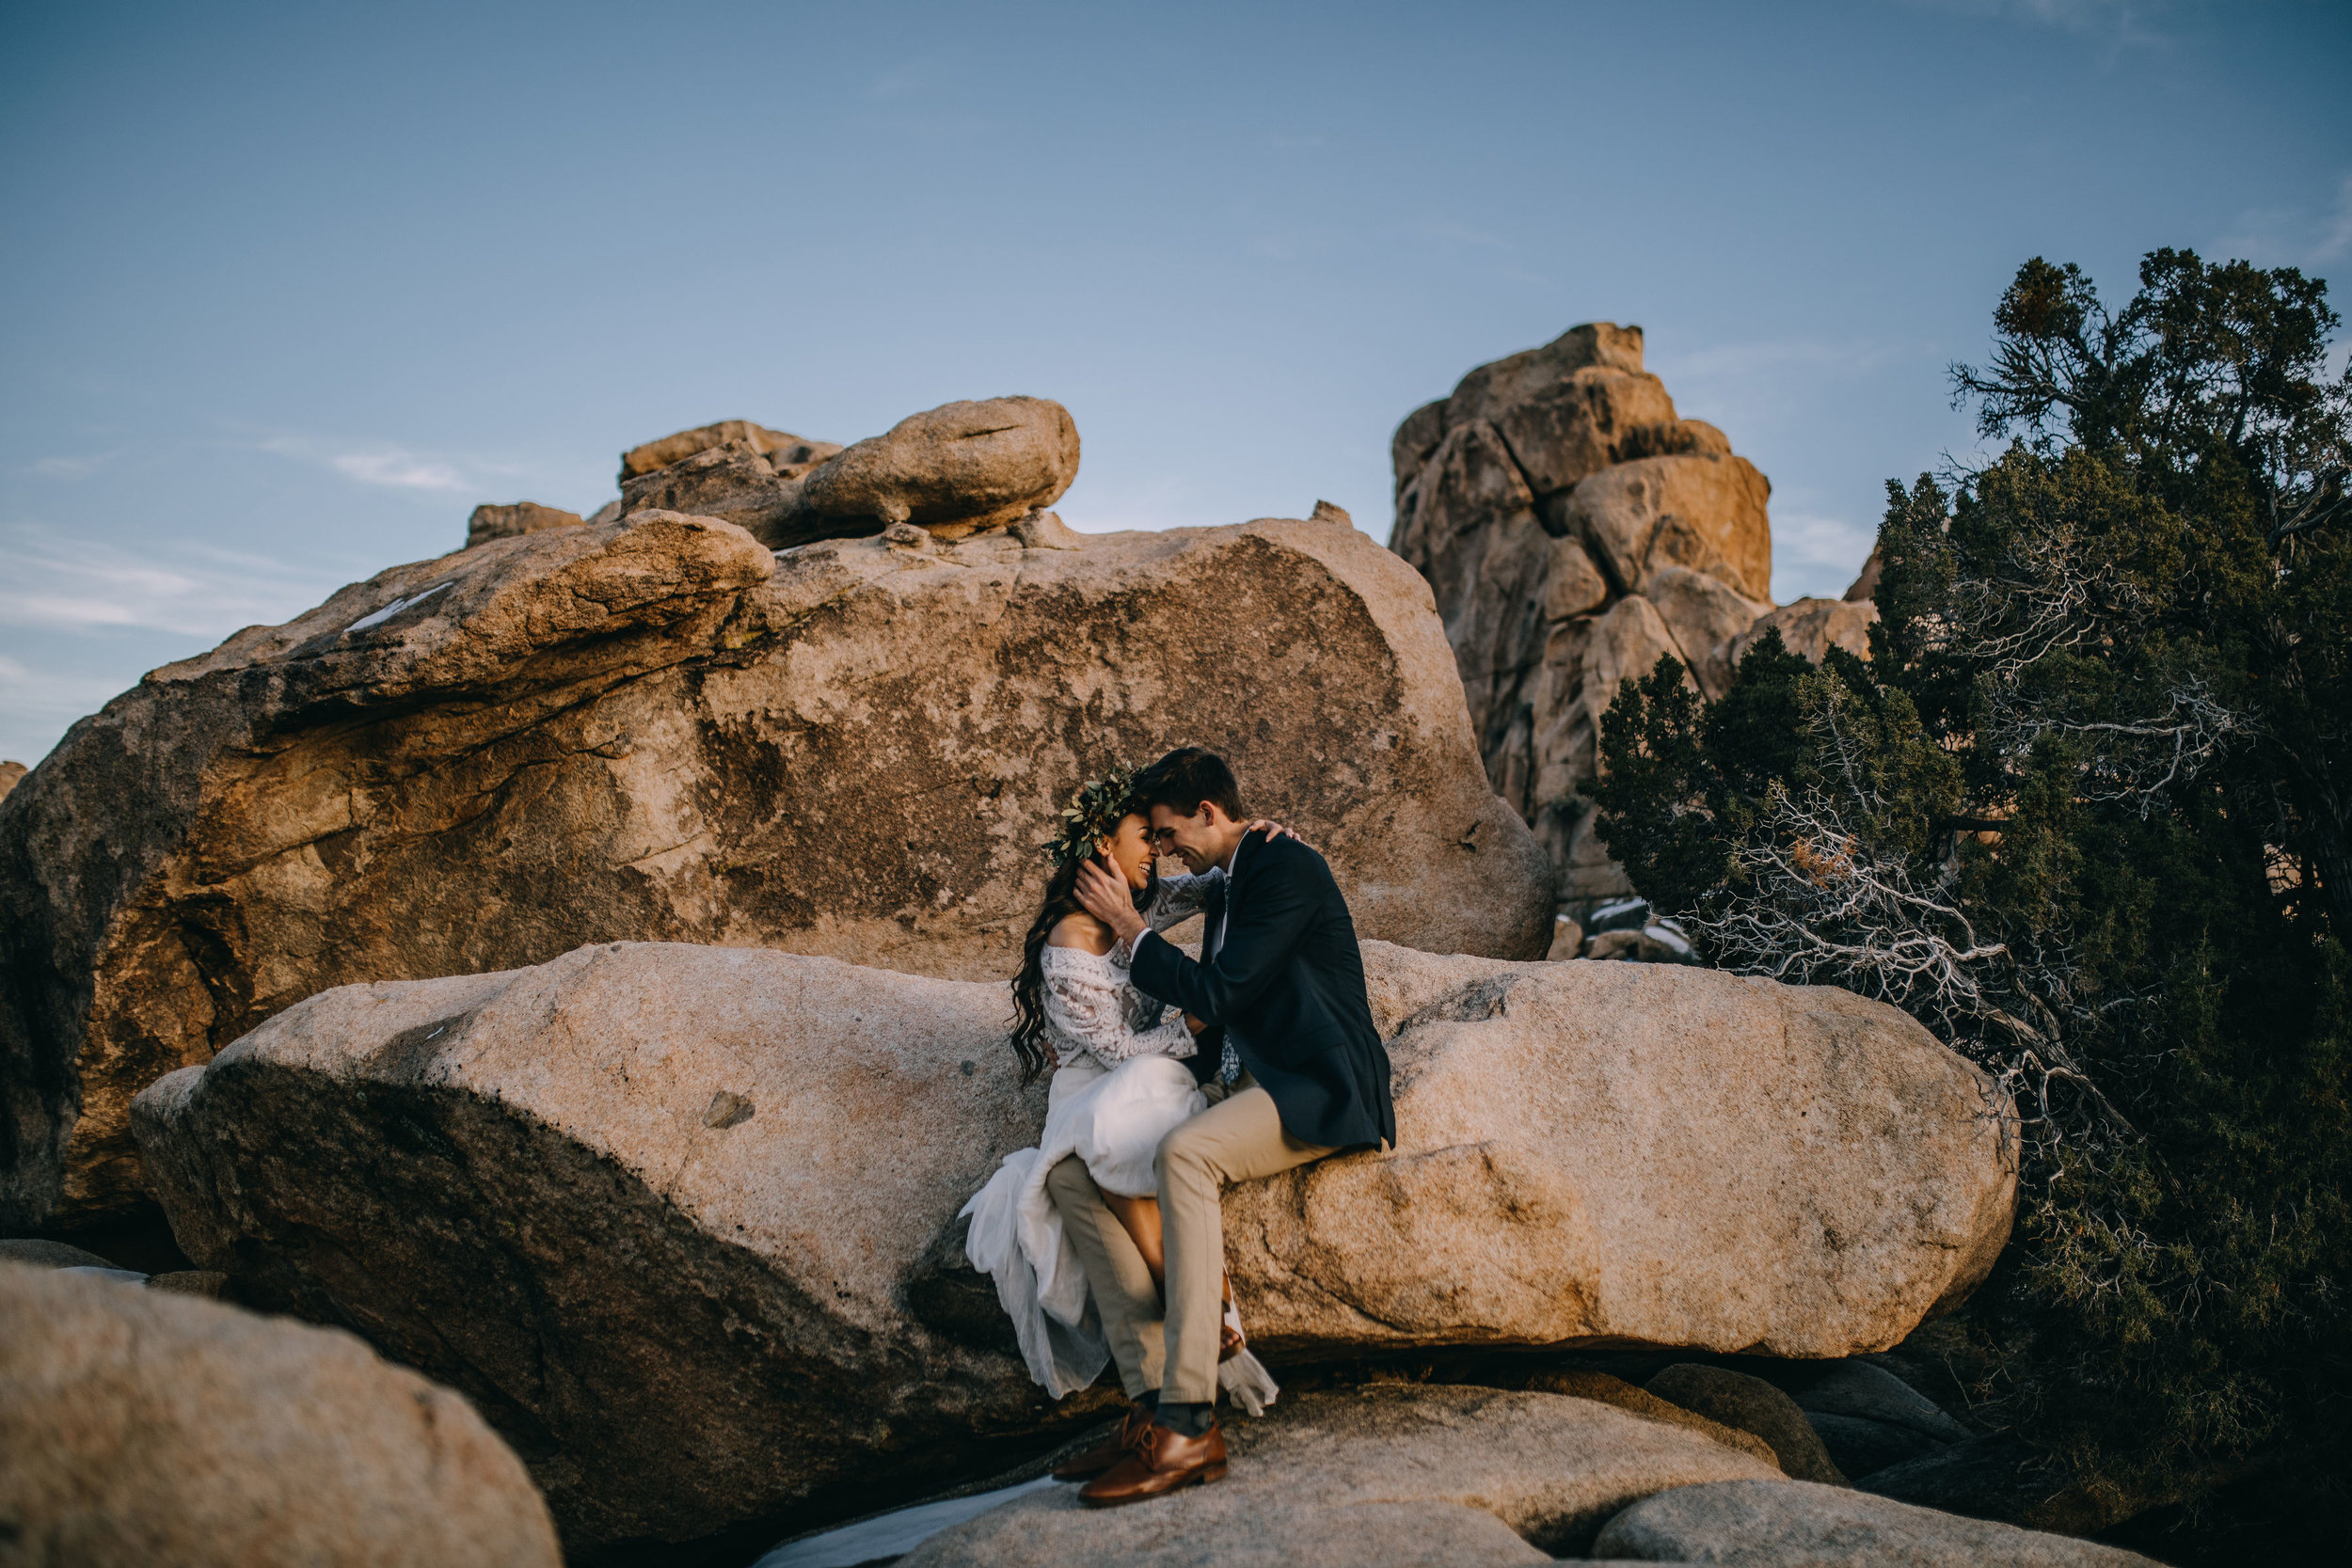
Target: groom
column 1294, row 1070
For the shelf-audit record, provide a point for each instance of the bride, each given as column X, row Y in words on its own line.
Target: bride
column 1121, row 1083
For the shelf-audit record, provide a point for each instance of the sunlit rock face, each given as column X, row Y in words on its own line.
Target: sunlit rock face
column 1574, row 530
column 656, row 729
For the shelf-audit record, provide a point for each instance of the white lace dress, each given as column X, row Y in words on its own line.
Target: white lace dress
column 1123, row 1086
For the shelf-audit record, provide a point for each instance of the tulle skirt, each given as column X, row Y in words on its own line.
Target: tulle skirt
column 1114, row 1120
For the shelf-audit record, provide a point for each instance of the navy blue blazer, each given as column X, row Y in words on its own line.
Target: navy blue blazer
column 1288, row 990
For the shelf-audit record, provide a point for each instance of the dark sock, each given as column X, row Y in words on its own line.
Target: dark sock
column 1187, row 1420
column 1149, row 1399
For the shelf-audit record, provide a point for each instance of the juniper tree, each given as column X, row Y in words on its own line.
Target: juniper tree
column 2085, row 813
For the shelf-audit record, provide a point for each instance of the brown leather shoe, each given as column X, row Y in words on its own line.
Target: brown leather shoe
column 1086, row 1466
column 1160, row 1463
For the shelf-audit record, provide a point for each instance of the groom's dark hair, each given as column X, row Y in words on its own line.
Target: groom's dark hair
column 1188, row 775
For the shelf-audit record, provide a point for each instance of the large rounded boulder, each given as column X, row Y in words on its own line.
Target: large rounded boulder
column 656, row 729
column 138, row 1426
column 1387, row 1476
column 1602, row 1154
column 657, row 1207
column 681, row 1220
column 957, row 468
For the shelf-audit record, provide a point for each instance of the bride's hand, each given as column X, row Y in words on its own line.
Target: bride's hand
column 1273, row 829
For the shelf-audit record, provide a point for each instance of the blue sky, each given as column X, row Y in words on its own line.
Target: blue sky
column 292, row 288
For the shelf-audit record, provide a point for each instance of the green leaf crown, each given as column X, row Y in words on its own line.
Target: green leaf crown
column 1092, row 816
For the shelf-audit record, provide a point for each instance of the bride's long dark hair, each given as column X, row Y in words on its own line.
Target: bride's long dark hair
column 1028, row 987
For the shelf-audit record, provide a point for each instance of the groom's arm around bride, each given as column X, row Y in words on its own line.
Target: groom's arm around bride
column 1287, row 985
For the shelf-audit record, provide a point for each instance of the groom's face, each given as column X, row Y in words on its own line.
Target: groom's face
column 1192, row 839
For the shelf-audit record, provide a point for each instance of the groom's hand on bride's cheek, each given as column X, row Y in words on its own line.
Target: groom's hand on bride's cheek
column 1107, row 900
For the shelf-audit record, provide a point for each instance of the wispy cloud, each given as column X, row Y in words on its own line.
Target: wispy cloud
column 925, row 77
column 1462, row 236
column 1754, row 387
column 1172, row 501
column 1777, row 357
column 1096, row 506
column 57, row 584
column 1280, row 245
column 48, row 695
column 2303, row 236
column 2116, row 23
column 72, row 467
column 1814, row 555
column 398, row 469
column 1446, row 231
column 373, row 463
column 931, row 100
column 382, row 464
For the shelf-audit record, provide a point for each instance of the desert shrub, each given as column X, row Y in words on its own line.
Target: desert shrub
column 2086, row 813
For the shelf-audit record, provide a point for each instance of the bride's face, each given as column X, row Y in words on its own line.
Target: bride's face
column 1129, row 851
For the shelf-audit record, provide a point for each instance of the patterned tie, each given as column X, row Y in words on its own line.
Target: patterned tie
column 1211, row 944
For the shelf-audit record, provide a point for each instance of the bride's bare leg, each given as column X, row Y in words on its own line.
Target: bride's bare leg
column 1142, row 1218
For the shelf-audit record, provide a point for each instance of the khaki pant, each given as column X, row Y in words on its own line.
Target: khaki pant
column 1237, row 1139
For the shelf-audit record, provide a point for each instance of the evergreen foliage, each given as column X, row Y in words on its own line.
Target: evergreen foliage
column 2085, row 815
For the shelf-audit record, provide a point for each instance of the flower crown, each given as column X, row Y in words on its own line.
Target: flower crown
column 1093, row 816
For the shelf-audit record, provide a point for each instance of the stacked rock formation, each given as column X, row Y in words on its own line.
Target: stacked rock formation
column 1574, row 530
column 958, row 470
column 504, row 522
column 955, row 471
column 655, row 727
column 680, row 1219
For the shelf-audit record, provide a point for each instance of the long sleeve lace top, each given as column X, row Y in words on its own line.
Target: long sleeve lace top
column 1091, row 1008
